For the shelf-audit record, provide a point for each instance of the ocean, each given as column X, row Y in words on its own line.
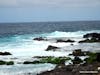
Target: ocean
column 17, row 38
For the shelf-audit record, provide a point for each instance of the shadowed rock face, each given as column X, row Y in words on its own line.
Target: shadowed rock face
column 51, row 48
column 5, row 53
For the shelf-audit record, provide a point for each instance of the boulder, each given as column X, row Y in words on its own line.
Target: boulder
column 5, row 53
column 51, row 48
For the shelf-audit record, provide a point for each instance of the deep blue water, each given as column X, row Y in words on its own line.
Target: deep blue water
column 45, row 27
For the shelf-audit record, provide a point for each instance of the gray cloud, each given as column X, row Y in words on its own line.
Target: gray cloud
column 49, row 3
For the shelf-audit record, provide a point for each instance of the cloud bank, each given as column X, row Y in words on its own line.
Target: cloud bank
column 49, row 3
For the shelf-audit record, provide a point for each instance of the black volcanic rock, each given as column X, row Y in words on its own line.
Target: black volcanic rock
column 5, row 53
column 51, row 48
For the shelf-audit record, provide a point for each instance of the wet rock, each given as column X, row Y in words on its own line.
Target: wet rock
column 92, row 40
column 10, row 63
column 60, row 40
column 39, row 39
column 5, row 53
column 2, row 62
column 78, row 52
column 51, row 48
column 6, row 62
column 92, row 35
column 31, row 62
column 52, row 60
column 77, row 60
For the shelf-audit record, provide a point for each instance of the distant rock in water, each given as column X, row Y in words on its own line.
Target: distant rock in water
column 51, row 48
column 5, row 53
column 39, row 39
column 60, row 40
column 92, row 35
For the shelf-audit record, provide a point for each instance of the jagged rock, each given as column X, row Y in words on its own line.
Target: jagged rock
column 51, row 48
column 5, row 53
column 60, row 40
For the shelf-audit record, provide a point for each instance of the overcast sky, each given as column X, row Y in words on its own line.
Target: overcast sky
column 49, row 10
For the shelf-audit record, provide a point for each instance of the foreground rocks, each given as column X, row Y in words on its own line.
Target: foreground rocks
column 73, row 70
column 91, row 63
column 5, row 53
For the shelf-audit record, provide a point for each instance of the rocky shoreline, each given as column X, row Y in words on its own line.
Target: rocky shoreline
column 77, row 65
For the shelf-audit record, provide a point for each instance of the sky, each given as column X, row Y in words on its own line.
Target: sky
column 49, row 10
